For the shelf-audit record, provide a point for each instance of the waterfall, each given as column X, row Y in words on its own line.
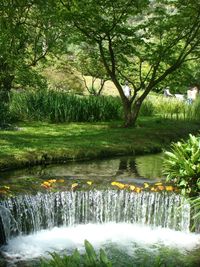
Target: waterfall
column 26, row 214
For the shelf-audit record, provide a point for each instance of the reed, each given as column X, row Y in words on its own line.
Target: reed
column 147, row 108
column 59, row 106
column 173, row 108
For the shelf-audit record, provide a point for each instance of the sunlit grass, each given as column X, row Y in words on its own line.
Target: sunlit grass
column 38, row 142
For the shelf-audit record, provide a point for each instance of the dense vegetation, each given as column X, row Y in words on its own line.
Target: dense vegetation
column 182, row 165
column 143, row 42
column 60, row 106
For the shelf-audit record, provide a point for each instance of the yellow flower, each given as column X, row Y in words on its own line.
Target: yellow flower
column 74, row 185
column 89, row 182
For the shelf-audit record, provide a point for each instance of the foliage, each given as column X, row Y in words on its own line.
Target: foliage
column 142, row 42
column 195, row 205
column 59, row 106
column 194, row 110
column 89, row 259
column 182, row 165
column 172, row 108
column 183, row 78
column 28, row 31
column 89, row 63
column 147, row 108
column 62, row 76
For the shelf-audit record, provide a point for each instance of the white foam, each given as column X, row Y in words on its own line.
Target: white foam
column 122, row 234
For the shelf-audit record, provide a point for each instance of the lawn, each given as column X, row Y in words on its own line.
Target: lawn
column 44, row 143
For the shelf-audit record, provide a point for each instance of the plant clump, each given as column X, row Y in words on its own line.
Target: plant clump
column 182, row 165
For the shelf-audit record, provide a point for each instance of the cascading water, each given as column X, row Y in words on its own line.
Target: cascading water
column 30, row 213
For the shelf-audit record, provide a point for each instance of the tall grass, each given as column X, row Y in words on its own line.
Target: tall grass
column 147, row 108
column 58, row 106
column 172, row 108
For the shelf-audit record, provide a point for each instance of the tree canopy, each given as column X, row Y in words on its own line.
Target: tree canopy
column 142, row 42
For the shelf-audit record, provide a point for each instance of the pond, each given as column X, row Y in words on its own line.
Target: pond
column 120, row 204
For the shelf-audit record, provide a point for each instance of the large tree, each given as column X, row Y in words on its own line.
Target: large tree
column 28, row 30
column 140, row 41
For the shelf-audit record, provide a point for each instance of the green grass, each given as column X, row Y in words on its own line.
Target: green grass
column 38, row 142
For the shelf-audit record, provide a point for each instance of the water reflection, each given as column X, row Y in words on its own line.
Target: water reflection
column 123, row 169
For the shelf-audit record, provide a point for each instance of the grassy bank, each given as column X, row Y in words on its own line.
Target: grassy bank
column 43, row 143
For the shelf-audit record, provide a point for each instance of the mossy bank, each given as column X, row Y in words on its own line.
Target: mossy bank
column 43, row 143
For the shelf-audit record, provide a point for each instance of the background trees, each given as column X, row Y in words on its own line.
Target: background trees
column 142, row 42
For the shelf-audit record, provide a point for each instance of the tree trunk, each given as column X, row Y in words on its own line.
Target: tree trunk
column 5, row 88
column 131, row 113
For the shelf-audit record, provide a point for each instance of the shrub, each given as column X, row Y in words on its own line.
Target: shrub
column 182, row 165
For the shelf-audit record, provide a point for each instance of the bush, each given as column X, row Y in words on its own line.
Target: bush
column 182, row 165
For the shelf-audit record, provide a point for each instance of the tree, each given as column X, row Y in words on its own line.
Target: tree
column 142, row 42
column 89, row 63
column 28, row 31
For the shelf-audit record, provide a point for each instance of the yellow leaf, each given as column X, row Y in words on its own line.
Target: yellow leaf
column 46, row 184
column 52, row 181
column 74, row 185
column 3, row 192
column 89, row 182
column 7, row 187
column 138, row 189
column 158, row 184
column 146, row 185
column 161, row 187
column 132, row 187
column 60, row 180
column 120, row 185
column 169, row 188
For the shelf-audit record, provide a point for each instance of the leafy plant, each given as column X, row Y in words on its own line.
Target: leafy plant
column 89, row 259
column 182, row 165
column 195, row 204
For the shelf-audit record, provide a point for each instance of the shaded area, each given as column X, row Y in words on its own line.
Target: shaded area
column 43, row 143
